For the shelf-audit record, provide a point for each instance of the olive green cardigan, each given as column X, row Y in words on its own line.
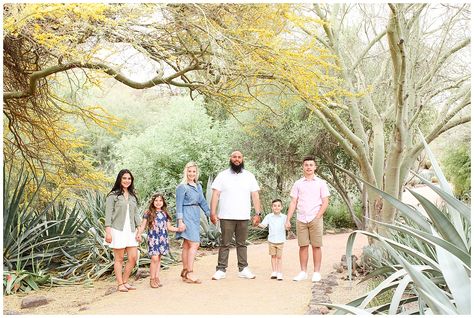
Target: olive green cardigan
column 116, row 209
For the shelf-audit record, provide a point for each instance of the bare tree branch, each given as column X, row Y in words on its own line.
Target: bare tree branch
column 35, row 76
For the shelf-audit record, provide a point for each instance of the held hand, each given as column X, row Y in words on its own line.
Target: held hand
column 287, row 225
column 214, row 218
column 255, row 220
column 181, row 227
column 138, row 237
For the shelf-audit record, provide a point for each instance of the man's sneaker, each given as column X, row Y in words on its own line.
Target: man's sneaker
column 246, row 273
column 274, row 275
column 316, row 277
column 301, row 276
column 218, row 275
column 279, row 276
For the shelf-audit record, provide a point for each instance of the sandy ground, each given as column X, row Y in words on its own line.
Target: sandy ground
column 231, row 295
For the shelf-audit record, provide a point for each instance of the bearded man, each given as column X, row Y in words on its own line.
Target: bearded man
column 232, row 189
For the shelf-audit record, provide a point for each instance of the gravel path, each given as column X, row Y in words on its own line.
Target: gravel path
column 231, row 295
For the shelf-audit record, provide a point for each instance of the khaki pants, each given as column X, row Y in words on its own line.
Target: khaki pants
column 311, row 232
column 228, row 228
column 275, row 249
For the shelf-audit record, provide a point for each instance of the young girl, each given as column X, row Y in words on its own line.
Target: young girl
column 158, row 222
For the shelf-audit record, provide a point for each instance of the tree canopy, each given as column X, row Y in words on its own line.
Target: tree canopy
column 373, row 75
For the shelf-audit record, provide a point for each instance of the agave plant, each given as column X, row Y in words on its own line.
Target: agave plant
column 432, row 268
column 209, row 232
column 60, row 244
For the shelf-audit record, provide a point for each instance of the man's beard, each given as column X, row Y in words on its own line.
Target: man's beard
column 236, row 168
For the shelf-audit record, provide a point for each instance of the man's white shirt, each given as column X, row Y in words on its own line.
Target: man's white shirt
column 235, row 193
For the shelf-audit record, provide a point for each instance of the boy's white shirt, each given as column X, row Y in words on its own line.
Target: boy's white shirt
column 276, row 227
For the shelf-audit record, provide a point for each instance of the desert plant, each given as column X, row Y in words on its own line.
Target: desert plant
column 209, row 233
column 62, row 243
column 432, row 254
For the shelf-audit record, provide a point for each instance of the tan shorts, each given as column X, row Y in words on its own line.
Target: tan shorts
column 311, row 232
column 275, row 249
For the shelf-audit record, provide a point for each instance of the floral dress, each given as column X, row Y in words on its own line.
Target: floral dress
column 158, row 243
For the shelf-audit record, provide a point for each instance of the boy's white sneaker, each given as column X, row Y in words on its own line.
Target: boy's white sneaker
column 246, row 273
column 273, row 275
column 316, row 277
column 301, row 276
column 279, row 276
column 218, row 275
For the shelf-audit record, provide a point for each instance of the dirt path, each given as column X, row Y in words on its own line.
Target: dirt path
column 231, row 295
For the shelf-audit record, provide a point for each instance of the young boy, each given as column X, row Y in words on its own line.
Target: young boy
column 276, row 237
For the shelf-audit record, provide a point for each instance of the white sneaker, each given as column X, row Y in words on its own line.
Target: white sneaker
column 316, row 277
column 273, row 275
column 279, row 276
column 301, row 276
column 246, row 273
column 218, row 275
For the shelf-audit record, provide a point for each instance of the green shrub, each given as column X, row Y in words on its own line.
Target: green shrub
column 337, row 216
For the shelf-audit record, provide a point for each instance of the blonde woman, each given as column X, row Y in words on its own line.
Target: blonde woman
column 189, row 202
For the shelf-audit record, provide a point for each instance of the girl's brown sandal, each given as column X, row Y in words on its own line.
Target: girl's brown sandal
column 153, row 283
column 183, row 274
column 122, row 288
column 191, row 281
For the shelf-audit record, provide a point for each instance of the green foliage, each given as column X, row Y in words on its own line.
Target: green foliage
column 429, row 263
column 23, row 281
column 181, row 133
column 337, row 217
column 457, row 165
column 209, row 232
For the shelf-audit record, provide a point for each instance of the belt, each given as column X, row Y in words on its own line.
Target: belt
column 191, row 204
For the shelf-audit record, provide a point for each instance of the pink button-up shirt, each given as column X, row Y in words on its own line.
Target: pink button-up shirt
column 310, row 194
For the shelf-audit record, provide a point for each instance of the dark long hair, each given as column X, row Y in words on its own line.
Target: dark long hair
column 152, row 210
column 117, row 188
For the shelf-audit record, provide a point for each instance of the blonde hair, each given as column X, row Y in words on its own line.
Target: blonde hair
column 185, row 172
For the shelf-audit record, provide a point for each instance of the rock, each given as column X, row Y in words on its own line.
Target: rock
column 332, row 282
column 110, row 290
column 84, row 308
column 317, row 292
column 142, row 273
column 332, row 277
column 33, row 301
column 313, row 310
column 328, row 290
column 330, row 232
column 321, row 299
column 10, row 312
column 323, row 310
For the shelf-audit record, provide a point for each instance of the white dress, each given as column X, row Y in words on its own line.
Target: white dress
column 124, row 238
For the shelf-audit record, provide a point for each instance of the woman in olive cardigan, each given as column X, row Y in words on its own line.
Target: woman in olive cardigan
column 121, row 223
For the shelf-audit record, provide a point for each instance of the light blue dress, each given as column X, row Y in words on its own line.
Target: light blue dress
column 189, row 202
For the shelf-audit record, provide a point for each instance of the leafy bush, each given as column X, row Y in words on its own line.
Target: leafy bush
column 337, row 217
column 429, row 261
column 458, row 168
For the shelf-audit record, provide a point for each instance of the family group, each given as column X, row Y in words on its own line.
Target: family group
column 233, row 192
